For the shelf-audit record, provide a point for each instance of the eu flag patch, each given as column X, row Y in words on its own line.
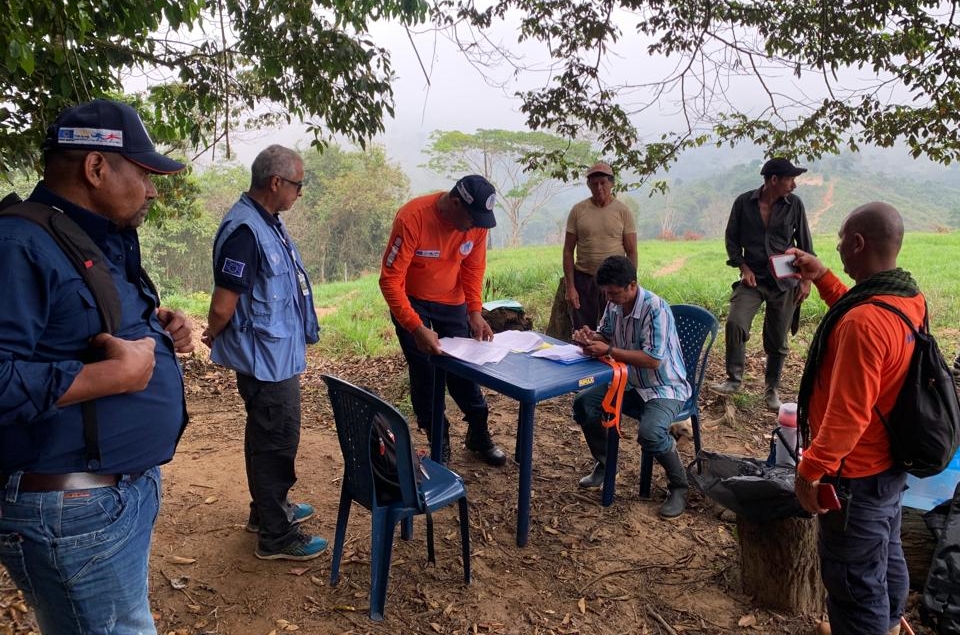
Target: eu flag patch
column 233, row 267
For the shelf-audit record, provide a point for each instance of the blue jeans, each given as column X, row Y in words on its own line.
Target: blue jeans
column 80, row 557
column 654, row 417
column 861, row 557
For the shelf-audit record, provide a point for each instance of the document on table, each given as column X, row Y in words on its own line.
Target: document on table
column 471, row 350
column 565, row 353
column 519, row 341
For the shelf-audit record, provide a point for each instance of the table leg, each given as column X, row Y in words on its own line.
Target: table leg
column 525, row 443
column 610, row 469
column 436, row 426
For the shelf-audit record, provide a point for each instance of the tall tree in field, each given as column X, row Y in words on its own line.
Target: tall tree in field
column 213, row 65
column 798, row 78
column 498, row 155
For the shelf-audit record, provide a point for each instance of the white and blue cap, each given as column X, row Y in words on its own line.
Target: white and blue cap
column 108, row 126
column 479, row 197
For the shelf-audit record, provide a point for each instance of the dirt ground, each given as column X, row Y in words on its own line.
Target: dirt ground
column 586, row 569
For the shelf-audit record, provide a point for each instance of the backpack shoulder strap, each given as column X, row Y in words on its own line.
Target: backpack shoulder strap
column 903, row 316
column 80, row 249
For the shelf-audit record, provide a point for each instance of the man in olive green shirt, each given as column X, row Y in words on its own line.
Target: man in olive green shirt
column 597, row 227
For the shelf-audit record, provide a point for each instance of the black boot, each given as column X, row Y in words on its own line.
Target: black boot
column 771, row 379
column 479, row 442
column 676, row 482
column 596, row 437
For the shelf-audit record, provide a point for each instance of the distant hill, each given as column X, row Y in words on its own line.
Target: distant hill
column 702, row 188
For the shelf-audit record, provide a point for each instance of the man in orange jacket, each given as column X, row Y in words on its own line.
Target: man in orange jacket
column 855, row 368
column 431, row 277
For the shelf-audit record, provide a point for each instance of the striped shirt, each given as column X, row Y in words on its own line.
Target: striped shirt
column 649, row 328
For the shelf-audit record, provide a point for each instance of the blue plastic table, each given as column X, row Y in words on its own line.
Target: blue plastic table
column 527, row 379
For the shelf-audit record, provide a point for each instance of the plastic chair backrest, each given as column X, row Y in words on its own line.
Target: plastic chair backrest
column 697, row 329
column 353, row 411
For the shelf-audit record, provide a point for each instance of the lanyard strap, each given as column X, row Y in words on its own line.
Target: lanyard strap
column 613, row 401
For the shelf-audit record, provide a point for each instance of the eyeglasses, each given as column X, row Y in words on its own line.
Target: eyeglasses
column 296, row 184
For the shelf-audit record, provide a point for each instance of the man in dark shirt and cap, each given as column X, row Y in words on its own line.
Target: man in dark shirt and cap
column 86, row 416
column 763, row 223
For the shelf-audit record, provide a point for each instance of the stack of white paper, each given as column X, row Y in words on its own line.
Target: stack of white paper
column 471, row 350
column 519, row 341
column 561, row 353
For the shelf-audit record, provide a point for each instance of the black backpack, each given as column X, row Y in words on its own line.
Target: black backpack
column 383, row 460
column 924, row 424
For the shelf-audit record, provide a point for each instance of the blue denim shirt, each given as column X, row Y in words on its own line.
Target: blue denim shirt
column 272, row 324
column 46, row 323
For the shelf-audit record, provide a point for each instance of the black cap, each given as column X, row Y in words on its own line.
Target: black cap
column 781, row 167
column 108, row 126
column 479, row 197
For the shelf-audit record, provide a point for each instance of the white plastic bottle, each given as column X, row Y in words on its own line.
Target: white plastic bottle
column 787, row 420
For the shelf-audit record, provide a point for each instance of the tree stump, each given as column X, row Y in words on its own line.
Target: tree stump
column 919, row 544
column 779, row 565
column 560, row 326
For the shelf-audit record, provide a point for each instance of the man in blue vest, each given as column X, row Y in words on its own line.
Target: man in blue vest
column 260, row 321
column 86, row 416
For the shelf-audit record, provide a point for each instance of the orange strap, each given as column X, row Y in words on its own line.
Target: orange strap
column 613, row 401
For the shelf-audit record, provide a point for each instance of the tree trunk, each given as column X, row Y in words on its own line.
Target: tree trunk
column 560, row 326
column 779, row 565
column 918, row 546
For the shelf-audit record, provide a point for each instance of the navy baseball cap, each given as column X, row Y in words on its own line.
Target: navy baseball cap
column 108, row 126
column 780, row 167
column 478, row 196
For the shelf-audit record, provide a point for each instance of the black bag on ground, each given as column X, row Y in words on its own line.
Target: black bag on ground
column 747, row 486
column 924, row 425
column 940, row 605
column 383, row 460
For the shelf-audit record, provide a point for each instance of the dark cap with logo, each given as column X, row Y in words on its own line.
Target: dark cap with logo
column 479, row 197
column 108, row 126
column 781, row 167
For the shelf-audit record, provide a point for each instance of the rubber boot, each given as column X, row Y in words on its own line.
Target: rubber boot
column 771, row 393
column 676, row 483
column 597, row 442
column 736, row 359
column 480, row 443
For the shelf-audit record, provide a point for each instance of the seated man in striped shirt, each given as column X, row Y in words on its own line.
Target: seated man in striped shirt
column 637, row 328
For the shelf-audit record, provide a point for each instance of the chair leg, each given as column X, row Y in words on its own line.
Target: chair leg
column 697, row 443
column 406, row 528
column 381, row 550
column 465, row 539
column 646, row 474
column 343, row 515
column 431, row 554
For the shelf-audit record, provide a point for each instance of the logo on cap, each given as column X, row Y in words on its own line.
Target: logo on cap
column 464, row 194
column 90, row 137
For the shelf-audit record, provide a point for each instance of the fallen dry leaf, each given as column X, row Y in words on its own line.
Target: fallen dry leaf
column 181, row 560
column 748, row 620
column 582, row 605
column 298, row 570
column 211, row 499
column 436, row 627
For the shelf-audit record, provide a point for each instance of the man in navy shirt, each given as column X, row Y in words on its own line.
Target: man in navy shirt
column 86, row 416
column 260, row 321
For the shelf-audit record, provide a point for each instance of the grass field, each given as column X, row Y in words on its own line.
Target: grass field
column 355, row 320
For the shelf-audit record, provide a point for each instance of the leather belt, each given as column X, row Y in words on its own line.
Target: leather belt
column 32, row 482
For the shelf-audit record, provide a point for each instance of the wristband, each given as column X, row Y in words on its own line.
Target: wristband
column 609, row 352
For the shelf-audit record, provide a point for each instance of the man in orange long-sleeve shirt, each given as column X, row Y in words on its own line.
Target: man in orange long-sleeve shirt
column 855, row 368
column 431, row 277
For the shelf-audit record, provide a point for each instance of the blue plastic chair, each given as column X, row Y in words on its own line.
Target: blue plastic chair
column 697, row 329
column 353, row 410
